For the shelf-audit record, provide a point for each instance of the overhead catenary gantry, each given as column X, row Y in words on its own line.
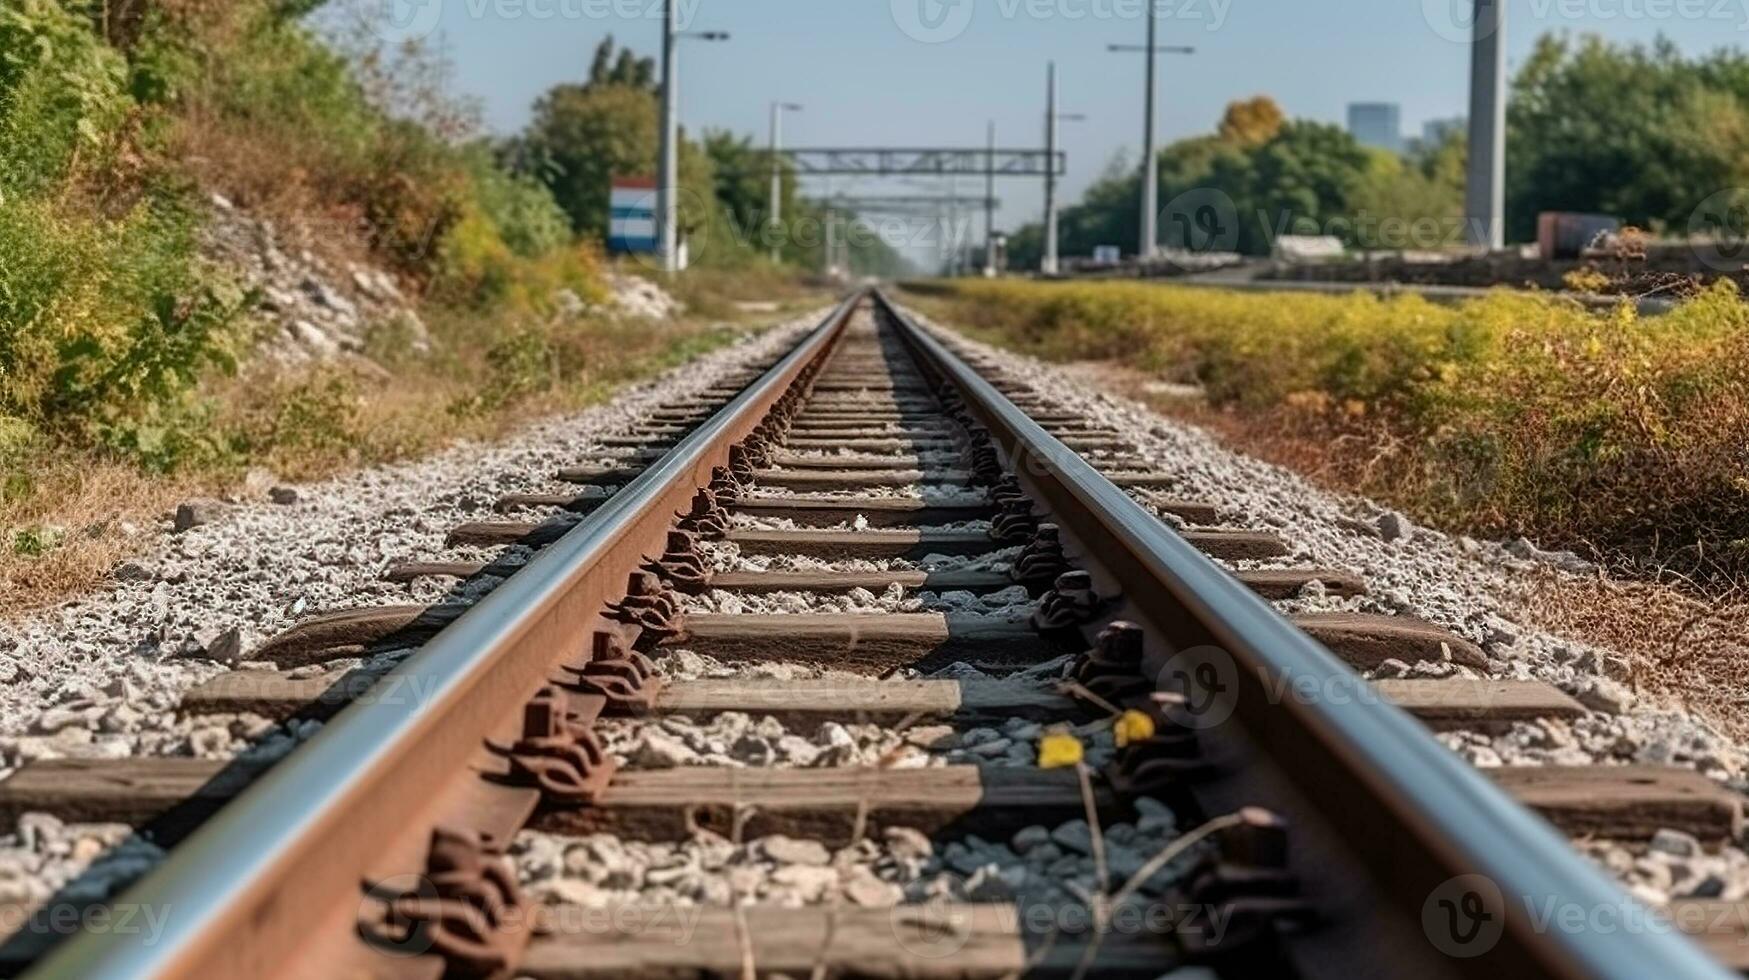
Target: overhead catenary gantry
column 989, row 162
column 926, row 205
column 930, row 162
column 943, row 211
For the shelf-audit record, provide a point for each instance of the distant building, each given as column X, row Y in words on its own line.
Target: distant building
column 1377, row 124
column 1436, row 131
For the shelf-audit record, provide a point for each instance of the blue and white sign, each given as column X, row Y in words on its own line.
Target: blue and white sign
column 632, row 219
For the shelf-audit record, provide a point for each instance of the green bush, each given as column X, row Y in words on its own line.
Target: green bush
column 521, row 208
column 62, row 93
column 1511, row 414
column 106, row 326
column 318, row 414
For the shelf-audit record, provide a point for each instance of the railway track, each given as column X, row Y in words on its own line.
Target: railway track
column 1230, row 792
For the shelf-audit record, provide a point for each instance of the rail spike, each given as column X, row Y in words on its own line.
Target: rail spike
column 1244, row 887
column 1014, row 521
column 650, row 605
column 758, row 447
column 1161, row 765
column 1112, row 668
column 726, row 485
column 681, row 564
column 1042, row 561
column 740, row 465
column 706, row 518
column 558, row 753
column 986, row 461
column 466, row 909
column 624, row 678
column 1070, row 603
column 1007, row 489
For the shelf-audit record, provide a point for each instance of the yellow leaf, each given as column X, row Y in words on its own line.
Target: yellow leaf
column 1059, row 750
column 1133, row 726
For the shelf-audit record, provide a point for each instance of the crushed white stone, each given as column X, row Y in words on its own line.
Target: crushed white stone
column 1043, row 865
column 1012, row 604
column 725, row 556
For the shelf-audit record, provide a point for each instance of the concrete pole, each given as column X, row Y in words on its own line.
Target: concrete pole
column 1151, row 158
column 1049, row 265
column 955, row 243
column 1485, row 194
column 990, row 205
column 828, row 252
column 776, row 178
column 668, row 176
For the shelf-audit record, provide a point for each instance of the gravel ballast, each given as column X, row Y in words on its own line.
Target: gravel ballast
column 1037, row 865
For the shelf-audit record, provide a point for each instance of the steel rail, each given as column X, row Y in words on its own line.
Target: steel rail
column 1416, row 815
column 272, row 884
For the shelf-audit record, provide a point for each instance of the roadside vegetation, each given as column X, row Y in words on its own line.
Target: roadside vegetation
column 1623, row 437
column 129, row 375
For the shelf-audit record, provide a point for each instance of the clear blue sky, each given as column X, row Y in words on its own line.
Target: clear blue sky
column 867, row 80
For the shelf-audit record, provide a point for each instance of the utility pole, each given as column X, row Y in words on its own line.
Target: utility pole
column 777, row 111
column 668, row 167
column 828, row 253
column 1485, row 191
column 1151, row 169
column 1150, row 237
column 668, row 176
column 955, row 255
column 1053, row 119
column 1049, row 265
column 990, row 206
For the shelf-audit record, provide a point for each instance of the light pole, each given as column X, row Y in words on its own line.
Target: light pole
column 777, row 111
column 955, row 256
column 1050, row 264
column 990, row 206
column 668, row 164
column 829, row 231
column 1151, row 166
column 1485, row 190
column 668, row 169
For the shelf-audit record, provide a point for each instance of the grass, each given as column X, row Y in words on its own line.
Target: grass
column 717, row 292
column 1620, row 437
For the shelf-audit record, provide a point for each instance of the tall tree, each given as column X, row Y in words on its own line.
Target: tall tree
column 586, row 135
column 1638, row 132
column 620, row 66
column 1251, row 122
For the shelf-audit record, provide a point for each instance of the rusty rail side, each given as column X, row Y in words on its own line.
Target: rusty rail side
column 273, row 885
